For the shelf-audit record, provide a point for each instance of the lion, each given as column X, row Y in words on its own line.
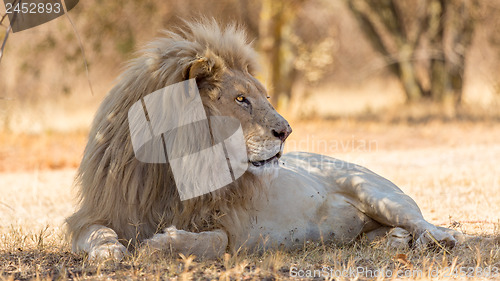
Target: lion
column 281, row 201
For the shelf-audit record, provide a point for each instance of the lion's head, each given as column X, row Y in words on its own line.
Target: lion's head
column 227, row 85
column 137, row 199
column 243, row 97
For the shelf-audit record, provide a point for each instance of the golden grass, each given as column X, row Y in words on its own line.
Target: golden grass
column 43, row 255
column 450, row 168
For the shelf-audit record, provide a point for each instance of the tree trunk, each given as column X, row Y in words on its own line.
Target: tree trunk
column 458, row 31
column 270, row 30
column 407, row 74
column 438, row 79
column 276, row 19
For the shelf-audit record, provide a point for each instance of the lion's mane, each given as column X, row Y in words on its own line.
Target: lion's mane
column 136, row 199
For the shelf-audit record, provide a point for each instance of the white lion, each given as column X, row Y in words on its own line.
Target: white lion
column 278, row 202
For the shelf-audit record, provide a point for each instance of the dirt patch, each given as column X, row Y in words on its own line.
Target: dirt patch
column 44, row 151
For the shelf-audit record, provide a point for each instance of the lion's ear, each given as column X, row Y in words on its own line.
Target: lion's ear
column 206, row 69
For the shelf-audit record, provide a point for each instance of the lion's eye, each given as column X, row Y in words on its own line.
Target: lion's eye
column 241, row 99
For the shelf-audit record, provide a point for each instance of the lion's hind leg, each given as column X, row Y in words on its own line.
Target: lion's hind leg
column 445, row 237
column 393, row 237
column 207, row 244
column 384, row 202
column 400, row 238
column 459, row 236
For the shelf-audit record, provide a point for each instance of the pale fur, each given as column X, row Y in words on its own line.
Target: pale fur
column 136, row 199
column 305, row 197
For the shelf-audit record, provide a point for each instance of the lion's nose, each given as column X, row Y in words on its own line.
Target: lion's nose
column 283, row 132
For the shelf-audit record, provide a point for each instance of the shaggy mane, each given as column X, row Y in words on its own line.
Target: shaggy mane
column 137, row 199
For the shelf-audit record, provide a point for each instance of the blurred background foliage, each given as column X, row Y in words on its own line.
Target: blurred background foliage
column 319, row 57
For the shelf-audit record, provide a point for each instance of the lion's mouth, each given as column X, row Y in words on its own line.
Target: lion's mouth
column 264, row 162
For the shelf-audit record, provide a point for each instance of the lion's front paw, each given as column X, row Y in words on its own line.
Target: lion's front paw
column 434, row 236
column 206, row 244
column 108, row 251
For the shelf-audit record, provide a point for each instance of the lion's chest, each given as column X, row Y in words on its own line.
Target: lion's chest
column 303, row 207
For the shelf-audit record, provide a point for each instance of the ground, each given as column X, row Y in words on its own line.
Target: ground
column 449, row 167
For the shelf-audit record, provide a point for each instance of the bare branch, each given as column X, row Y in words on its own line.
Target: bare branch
column 4, row 43
column 3, row 17
column 398, row 15
column 370, row 29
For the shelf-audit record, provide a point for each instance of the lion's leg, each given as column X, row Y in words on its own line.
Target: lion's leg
column 207, row 244
column 429, row 236
column 397, row 237
column 385, row 203
column 459, row 236
column 394, row 237
column 100, row 242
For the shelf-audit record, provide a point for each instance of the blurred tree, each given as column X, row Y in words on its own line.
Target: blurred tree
column 490, row 9
column 275, row 17
column 296, row 39
column 428, row 36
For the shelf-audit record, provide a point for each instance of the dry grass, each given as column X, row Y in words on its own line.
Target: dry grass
column 450, row 168
column 42, row 256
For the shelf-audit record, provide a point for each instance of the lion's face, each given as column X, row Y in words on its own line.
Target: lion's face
column 245, row 98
